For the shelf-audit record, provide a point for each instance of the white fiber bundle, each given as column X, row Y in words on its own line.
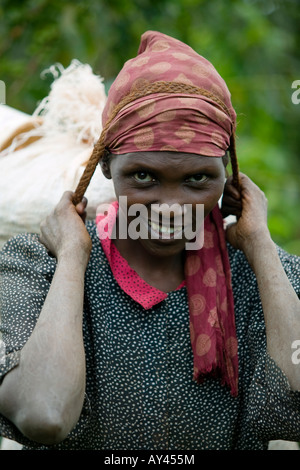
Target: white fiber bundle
column 75, row 103
column 47, row 154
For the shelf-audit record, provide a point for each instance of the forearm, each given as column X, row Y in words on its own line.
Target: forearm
column 47, row 388
column 281, row 306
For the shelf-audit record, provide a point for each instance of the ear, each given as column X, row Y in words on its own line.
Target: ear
column 105, row 167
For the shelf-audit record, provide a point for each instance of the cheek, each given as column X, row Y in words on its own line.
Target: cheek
column 211, row 198
column 133, row 200
column 210, row 203
column 121, row 188
column 132, row 194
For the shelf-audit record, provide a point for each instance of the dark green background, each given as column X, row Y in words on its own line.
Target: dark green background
column 254, row 44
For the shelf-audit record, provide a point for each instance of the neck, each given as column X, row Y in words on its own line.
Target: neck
column 164, row 273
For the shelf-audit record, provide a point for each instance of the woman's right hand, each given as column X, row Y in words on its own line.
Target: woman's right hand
column 63, row 232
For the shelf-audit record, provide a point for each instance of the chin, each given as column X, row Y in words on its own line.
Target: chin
column 163, row 247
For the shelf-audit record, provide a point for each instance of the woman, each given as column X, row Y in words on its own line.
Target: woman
column 136, row 342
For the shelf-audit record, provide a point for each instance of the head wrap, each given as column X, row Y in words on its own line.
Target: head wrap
column 180, row 103
column 179, row 122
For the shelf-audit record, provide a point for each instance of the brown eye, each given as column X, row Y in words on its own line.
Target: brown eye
column 199, row 178
column 143, row 176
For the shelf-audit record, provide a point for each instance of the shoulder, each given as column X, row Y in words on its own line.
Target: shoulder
column 240, row 268
column 21, row 244
column 242, row 272
column 25, row 251
column 98, row 263
column 291, row 265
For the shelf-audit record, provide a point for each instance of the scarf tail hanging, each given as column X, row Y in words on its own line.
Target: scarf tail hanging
column 212, row 322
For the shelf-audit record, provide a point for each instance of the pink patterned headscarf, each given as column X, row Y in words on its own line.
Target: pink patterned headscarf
column 188, row 123
column 181, row 122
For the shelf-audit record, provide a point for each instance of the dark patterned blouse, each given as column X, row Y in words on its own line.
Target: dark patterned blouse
column 140, row 394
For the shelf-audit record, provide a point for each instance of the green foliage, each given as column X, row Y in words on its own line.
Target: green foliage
column 254, row 44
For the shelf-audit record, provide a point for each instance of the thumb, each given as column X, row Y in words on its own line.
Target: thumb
column 81, row 208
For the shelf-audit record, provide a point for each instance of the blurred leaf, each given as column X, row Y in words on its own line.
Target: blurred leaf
column 254, row 44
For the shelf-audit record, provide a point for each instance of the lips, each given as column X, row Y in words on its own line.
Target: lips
column 164, row 230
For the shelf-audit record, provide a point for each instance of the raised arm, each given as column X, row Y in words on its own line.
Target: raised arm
column 281, row 306
column 44, row 395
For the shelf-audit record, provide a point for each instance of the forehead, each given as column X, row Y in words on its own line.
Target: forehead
column 166, row 161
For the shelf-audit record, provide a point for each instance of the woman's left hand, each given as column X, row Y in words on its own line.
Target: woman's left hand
column 280, row 303
column 250, row 207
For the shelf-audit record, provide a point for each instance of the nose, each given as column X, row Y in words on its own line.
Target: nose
column 166, row 208
column 169, row 206
column 170, row 195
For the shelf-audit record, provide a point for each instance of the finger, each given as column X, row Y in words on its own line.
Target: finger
column 81, row 206
column 226, row 211
column 231, row 205
column 231, row 190
column 67, row 196
column 67, row 200
column 252, row 194
column 64, row 202
column 231, row 200
column 247, row 184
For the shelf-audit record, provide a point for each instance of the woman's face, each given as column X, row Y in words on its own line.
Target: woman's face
column 156, row 178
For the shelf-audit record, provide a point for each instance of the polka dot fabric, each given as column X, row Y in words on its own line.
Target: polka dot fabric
column 165, row 122
column 140, row 392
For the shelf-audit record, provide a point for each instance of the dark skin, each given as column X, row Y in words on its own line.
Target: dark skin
column 43, row 397
column 146, row 178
